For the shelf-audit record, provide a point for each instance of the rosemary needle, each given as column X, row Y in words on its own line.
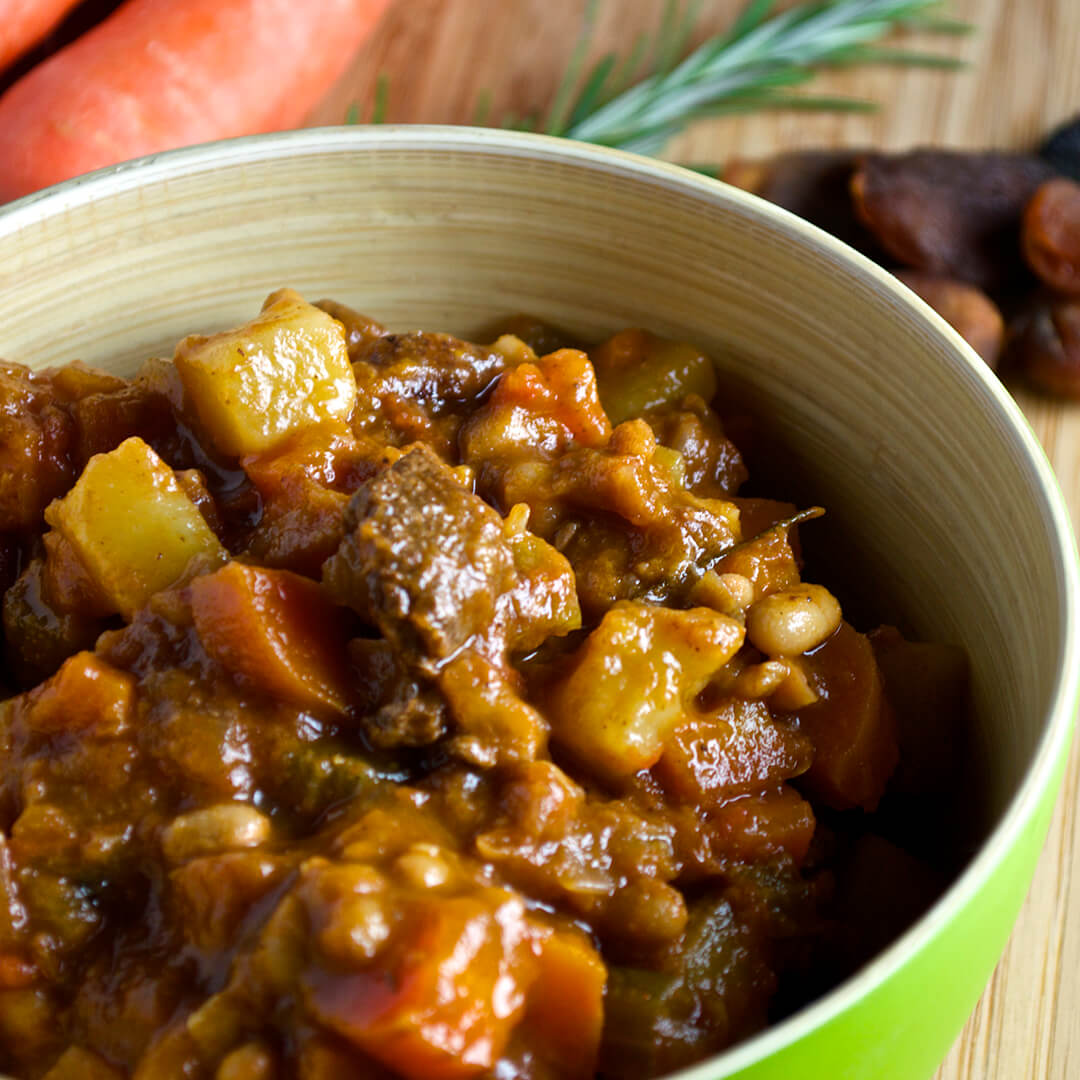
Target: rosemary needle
column 753, row 65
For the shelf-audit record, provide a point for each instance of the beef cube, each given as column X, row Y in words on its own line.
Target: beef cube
column 424, row 559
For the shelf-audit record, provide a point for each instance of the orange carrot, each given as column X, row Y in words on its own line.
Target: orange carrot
column 23, row 23
column 159, row 74
column 276, row 630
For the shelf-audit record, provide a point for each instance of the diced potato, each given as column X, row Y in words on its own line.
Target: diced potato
column 286, row 370
column 633, row 681
column 638, row 371
column 132, row 525
column 276, row 629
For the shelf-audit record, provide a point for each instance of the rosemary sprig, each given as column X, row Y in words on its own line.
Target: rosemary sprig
column 639, row 101
column 751, row 66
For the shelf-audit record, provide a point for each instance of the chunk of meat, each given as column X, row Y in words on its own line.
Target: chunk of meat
column 398, row 705
column 712, row 464
column 551, row 841
column 36, row 444
column 361, row 332
column 423, row 559
column 420, row 386
column 761, row 828
column 105, row 419
column 623, row 519
column 494, row 725
column 39, row 636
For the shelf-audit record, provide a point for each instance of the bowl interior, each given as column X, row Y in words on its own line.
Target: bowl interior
column 930, row 482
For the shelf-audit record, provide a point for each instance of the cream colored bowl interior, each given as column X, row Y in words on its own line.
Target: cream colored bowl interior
column 910, row 447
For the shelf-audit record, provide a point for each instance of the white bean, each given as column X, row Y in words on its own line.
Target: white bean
column 793, row 621
column 226, row 827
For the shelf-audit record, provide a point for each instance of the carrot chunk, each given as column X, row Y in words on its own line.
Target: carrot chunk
column 565, row 1012
column 275, row 629
column 851, row 725
column 444, row 1002
column 85, row 693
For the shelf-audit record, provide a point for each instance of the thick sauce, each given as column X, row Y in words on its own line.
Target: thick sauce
column 393, row 706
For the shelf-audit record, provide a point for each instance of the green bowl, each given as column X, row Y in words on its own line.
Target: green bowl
column 927, row 466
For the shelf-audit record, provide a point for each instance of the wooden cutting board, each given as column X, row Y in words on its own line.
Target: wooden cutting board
column 441, row 56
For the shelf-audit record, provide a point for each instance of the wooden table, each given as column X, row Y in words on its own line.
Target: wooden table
column 439, row 55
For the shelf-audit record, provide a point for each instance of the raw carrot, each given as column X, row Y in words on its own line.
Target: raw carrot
column 23, row 23
column 159, row 74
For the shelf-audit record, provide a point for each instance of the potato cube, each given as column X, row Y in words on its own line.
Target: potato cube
column 132, row 526
column 286, row 370
column 633, row 681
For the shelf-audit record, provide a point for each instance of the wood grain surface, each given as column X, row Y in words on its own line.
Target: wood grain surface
column 441, row 55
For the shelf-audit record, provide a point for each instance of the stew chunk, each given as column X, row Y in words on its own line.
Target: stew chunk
column 430, row 563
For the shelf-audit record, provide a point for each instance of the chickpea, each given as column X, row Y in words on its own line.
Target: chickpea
column 226, row 827
column 795, row 692
column 760, row 680
column 423, row 866
column 357, row 928
column 252, row 1061
column 730, row 594
column 793, row 621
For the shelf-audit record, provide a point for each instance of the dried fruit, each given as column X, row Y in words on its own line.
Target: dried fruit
column 1046, row 345
column 1062, row 148
column 970, row 312
column 952, row 213
column 815, row 184
column 1051, row 235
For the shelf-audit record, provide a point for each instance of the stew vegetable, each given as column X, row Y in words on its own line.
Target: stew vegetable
column 390, row 705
